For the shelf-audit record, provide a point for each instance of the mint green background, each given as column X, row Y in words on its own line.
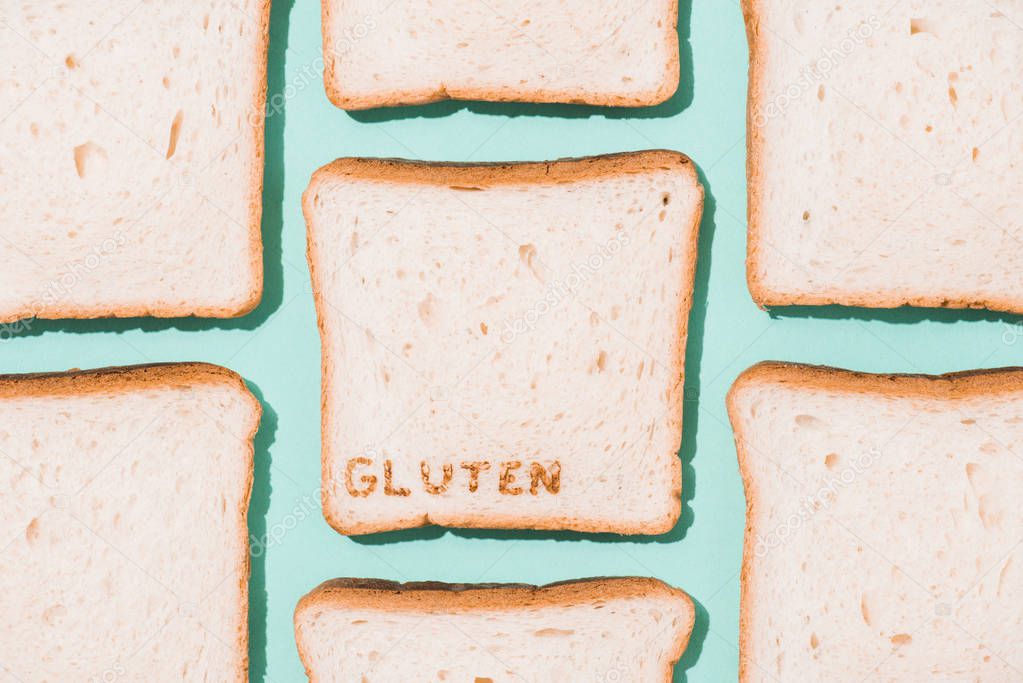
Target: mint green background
column 277, row 348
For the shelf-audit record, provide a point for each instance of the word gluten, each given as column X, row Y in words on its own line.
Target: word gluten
column 510, row 477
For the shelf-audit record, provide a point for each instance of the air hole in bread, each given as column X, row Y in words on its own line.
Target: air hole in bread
column 427, row 309
column 175, row 131
column 87, row 157
column 920, row 25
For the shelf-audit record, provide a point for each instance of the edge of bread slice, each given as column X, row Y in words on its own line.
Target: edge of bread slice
column 954, row 385
column 337, row 45
column 121, row 377
column 485, row 175
column 124, row 380
column 449, row 601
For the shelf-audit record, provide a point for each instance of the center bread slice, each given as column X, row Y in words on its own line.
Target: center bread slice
column 123, row 524
column 503, row 344
column 612, row 629
column 883, row 525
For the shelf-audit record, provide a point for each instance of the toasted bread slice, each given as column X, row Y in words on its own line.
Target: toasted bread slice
column 364, row 631
column 602, row 52
column 883, row 154
column 883, row 525
column 131, row 158
column 123, row 524
column 503, row 344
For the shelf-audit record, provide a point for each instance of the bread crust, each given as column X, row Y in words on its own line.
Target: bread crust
column 432, row 596
column 951, row 386
column 395, row 98
column 114, row 380
column 751, row 12
column 255, row 181
column 117, row 378
column 485, row 175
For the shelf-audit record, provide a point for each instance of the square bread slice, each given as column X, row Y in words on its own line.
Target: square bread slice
column 381, row 53
column 131, row 158
column 503, row 344
column 883, row 525
column 366, row 631
column 883, row 154
column 123, row 524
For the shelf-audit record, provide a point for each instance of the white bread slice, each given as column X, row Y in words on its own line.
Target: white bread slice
column 123, row 524
column 131, row 158
column 503, row 344
column 883, row 154
column 381, row 53
column 366, row 631
column 883, row 525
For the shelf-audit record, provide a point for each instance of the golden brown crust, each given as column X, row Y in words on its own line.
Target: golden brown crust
column 483, row 175
column 115, row 380
column 958, row 385
column 754, row 162
column 390, row 596
column 948, row 386
column 397, row 98
column 486, row 175
column 768, row 298
column 163, row 310
column 256, row 203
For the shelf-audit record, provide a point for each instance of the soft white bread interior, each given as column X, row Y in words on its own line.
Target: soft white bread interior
column 883, row 525
column 884, row 147
column 131, row 157
column 123, row 524
column 514, row 338
column 603, row 52
column 361, row 631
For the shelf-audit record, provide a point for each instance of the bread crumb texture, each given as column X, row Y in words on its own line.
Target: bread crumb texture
column 131, row 157
column 883, row 157
column 516, row 333
column 883, row 525
column 123, row 512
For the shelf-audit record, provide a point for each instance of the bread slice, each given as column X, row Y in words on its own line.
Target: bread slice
column 503, row 344
column 883, row 143
column 364, row 631
column 131, row 158
column 883, row 525
column 602, row 52
column 123, row 524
